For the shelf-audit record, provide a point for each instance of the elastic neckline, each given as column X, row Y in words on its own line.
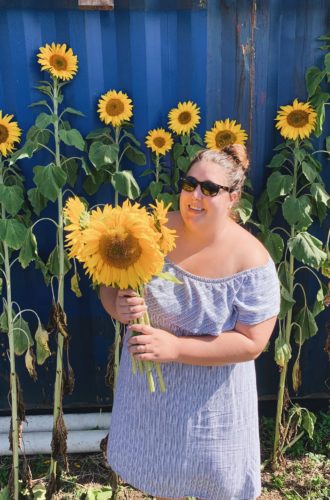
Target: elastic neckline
column 251, row 270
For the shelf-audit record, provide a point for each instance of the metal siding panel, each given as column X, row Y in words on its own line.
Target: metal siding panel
column 158, row 56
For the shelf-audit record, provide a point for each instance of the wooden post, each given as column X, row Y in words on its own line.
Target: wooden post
column 96, row 4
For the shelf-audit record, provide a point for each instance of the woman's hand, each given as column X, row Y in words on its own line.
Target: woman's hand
column 153, row 344
column 129, row 306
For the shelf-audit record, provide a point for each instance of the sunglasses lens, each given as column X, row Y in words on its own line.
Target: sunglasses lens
column 209, row 189
column 188, row 184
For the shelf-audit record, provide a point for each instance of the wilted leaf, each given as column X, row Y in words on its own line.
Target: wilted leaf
column 75, row 285
column 30, row 363
column 42, row 347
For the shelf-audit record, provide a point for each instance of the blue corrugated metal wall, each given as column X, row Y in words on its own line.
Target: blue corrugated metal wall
column 236, row 58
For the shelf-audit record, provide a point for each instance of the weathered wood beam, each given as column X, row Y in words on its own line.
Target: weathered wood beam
column 96, row 4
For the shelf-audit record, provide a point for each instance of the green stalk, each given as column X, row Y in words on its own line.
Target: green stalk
column 60, row 296
column 157, row 365
column 13, row 383
column 157, row 167
column 288, row 328
column 118, row 324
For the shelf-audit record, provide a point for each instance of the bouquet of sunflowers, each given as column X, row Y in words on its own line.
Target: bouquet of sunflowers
column 123, row 247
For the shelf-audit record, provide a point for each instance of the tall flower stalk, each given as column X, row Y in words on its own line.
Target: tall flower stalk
column 110, row 149
column 297, row 187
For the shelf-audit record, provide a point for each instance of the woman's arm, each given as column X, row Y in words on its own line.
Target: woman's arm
column 244, row 343
column 123, row 305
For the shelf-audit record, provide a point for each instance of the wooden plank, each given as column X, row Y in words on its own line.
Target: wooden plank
column 96, row 4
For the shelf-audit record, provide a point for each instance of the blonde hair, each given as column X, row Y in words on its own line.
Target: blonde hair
column 233, row 158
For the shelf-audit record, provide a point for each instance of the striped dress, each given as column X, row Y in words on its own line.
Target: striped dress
column 200, row 438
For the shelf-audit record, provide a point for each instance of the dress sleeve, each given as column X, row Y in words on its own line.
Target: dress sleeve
column 258, row 298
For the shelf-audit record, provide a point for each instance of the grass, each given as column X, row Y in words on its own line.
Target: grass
column 304, row 475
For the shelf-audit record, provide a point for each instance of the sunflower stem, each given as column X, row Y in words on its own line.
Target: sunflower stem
column 13, row 381
column 117, row 165
column 117, row 346
column 157, row 167
column 161, row 382
column 58, row 389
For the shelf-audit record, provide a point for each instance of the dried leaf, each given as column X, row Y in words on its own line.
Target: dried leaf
column 30, row 363
column 57, row 320
column 75, row 285
column 296, row 375
column 60, row 434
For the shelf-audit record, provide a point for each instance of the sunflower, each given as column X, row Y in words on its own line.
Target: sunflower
column 160, row 219
column 9, row 134
column 224, row 133
column 296, row 121
column 77, row 218
column 184, row 118
column 115, row 107
column 120, row 247
column 60, row 63
column 159, row 141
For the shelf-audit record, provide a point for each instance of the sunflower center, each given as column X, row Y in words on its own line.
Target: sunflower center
column 115, row 107
column 58, row 62
column 184, row 117
column 224, row 137
column 159, row 142
column 4, row 134
column 120, row 250
column 297, row 118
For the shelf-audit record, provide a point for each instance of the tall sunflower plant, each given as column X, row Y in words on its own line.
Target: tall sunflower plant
column 111, row 150
column 53, row 134
column 226, row 133
column 18, row 245
column 294, row 199
column 122, row 247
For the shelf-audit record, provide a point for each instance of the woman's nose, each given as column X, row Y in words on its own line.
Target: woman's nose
column 197, row 193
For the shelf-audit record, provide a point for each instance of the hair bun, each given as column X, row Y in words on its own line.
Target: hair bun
column 239, row 154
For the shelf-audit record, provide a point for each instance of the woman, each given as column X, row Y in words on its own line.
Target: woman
column 199, row 438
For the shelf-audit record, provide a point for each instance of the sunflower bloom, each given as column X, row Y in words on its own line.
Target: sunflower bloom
column 120, row 247
column 60, row 62
column 159, row 141
column 224, row 133
column 9, row 134
column 78, row 219
column 184, row 118
column 115, row 107
column 296, row 121
column 160, row 219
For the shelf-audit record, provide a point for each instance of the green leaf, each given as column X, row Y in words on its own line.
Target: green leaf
column 72, row 138
column 169, row 198
column 170, row 277
column 308, row 171
column 274, row 244
column 4, row 322
column 22, row 336
column 37, row 200
column 70, row 166
column 11, row 197
column 99, row 133
column 134, row 155
column 307, row 249
column 284, row 274
column 183, row 163
column 178, row 150
column 297, row 210
column 320, row 109
column 27, row 151
column 320, row 194
column 147, row 171
column 279, row 185
column 44, row 119
column 132, row 138
column 103, row 154
column 125, row 184
column 308, row 422
column 244, row 210
column 327, row 62
column 287, row 302
column 193, row 150
column 72, row 111
column 4, row 493
column 197, row 138
column 38, row 103
column 53, row 262
column 49, row 180
column 12, row 232
column 92, row 183
column 327, row 143
column 308, row 326
column 314, row 76
column 265, row 209
column 155, row 189
column 277, row 160
column 42, row 347
column 29, row 249
column 34, row 134
column 319, row 302
column 165, row 178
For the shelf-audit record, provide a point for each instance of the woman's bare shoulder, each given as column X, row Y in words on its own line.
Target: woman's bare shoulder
column 251, row 252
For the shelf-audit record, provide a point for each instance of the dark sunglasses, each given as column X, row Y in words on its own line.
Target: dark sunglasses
column 208, row 188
